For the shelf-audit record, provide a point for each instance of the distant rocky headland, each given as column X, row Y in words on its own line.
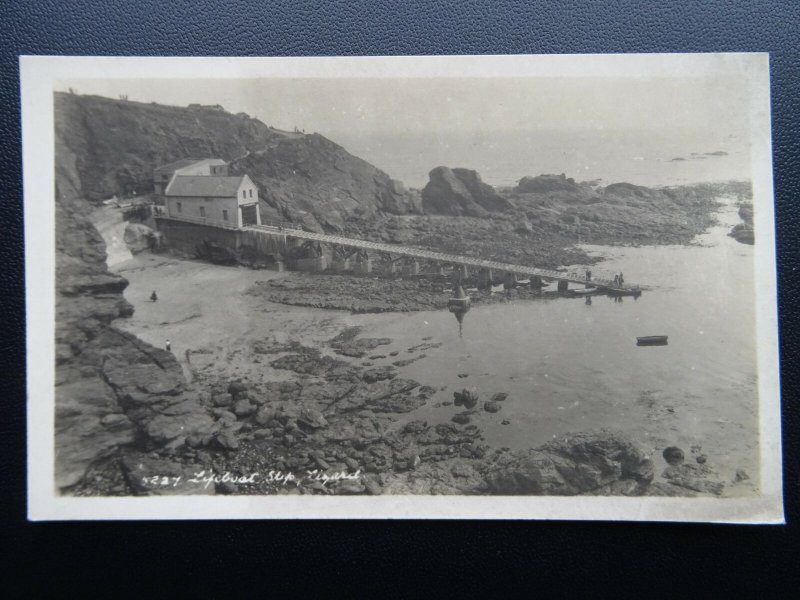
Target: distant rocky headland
column 123, row 405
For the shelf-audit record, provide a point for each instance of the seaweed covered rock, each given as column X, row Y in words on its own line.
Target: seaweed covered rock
column 468, row 398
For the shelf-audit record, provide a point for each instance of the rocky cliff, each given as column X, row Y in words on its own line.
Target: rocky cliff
column 112, row 389
column 311, row 180
column 114, row 145
column 555, row 210
column 461, row 192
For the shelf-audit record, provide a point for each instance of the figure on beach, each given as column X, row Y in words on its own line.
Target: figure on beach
column 616, row 280
column 168, row 346
column 621, row 279
column 153, row 297
column 588, row 275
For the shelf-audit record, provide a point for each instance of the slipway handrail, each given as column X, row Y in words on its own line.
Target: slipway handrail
column 410, row 251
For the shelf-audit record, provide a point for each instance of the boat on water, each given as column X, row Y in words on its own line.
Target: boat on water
column 459, row 302
column 652, row 340
column 459, row 305
column 623, row 291
column 585, row 291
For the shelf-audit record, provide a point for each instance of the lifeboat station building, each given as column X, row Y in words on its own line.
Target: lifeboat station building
column 208, row 199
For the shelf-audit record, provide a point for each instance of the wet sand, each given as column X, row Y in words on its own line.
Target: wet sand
column 204, row 309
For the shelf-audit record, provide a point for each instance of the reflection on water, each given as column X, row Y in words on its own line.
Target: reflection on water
column 567, row 368
column 459, row 305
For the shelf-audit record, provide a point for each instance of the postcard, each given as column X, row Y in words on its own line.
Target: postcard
column 461, row 287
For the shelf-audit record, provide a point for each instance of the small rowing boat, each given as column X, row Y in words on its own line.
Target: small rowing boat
column 652, row 340
column 584, row 292
column 635, row 292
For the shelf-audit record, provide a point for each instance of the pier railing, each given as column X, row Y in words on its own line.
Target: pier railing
column 197, row 221
column 281, row 225
column 440, row 257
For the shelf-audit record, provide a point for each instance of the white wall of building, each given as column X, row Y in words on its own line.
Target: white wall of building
column 214, row 210
column 247, row 192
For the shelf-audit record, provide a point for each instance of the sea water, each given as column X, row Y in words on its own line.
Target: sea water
column 571, row 366
column 650, row 158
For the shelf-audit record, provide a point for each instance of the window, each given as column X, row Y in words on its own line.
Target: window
column 180, row 208
column 244, row 193
column 224, row 215
column 251, row 193
column 202, row 211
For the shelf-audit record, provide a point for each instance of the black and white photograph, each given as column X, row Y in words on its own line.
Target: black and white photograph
column 456, row 287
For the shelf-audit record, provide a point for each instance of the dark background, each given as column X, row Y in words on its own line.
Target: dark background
column 360, row 558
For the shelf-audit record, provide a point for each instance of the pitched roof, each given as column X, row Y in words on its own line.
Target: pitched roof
column 204, row 185
column 199, row 167
column 173, row 166
column 187, row 162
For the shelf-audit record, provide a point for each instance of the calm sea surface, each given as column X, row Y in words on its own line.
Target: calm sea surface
column 571, row 366
column 502, row 158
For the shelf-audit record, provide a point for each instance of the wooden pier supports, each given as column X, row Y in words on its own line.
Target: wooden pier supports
column 340, row 265
column 363, row 263
column 563, row 286
column 485, row 279
column 340, row 259
column 411, row 267
column 460, row 272
column 364, row 266
column 311, row 265
column 509, row 281
column 389, row 267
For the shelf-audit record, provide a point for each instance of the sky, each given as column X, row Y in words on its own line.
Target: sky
column 687, row 113
column 466, row 104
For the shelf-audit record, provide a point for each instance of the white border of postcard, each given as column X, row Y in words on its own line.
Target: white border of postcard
column 38, row 78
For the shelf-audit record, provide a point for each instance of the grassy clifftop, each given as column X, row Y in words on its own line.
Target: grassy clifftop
column 116, row 144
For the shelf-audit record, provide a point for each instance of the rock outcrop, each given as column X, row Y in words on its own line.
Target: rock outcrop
column 112, row 390
column 542, row 184
column 575, row 464
column 461, row 192
column 307, row 179
column 138, row 237
column 744, row 232
column 312, row 180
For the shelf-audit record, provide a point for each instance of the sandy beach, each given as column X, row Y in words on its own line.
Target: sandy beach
column 203, row 309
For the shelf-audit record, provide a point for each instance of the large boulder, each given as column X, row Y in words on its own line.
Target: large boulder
column 492, row 407
column 542, row 184
column 628, row 191
column 698, row 478
column 576, row 464
column 468, row 398
column 312, row 418
column 138, row 237
column 461, row 192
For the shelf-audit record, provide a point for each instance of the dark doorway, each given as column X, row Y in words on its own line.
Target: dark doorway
column 250, row 215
